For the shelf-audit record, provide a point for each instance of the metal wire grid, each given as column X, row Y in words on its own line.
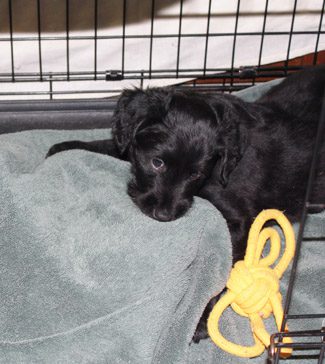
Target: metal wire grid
column 252, row 74
column 304, row 340
column 228, row 76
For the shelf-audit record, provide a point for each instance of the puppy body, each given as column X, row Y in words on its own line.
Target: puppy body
column 242, row 157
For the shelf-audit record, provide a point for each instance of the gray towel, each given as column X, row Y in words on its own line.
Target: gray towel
column 85, row 277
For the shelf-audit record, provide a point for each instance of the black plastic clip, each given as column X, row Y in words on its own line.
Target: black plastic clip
column 114, row 76
column 247, row 72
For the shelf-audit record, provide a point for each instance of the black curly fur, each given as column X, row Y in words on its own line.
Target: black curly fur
column 242, row 157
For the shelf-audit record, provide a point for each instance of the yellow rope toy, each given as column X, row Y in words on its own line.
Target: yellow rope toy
column 253, row 287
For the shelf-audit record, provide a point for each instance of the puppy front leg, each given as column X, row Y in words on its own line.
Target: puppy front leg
column 98, row 146
column 201, row 331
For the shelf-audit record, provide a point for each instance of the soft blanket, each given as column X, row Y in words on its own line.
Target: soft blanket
column 85, row 277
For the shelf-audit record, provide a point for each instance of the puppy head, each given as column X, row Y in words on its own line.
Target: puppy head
column 174, row 141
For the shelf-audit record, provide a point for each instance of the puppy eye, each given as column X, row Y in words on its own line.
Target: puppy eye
column 157, row 163
column 195, row 175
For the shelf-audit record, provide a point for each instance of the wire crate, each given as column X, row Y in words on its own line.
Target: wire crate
column 72, row 49
column 306, row 340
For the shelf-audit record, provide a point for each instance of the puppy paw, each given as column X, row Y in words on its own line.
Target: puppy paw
column 201, row 332
column 57, row 148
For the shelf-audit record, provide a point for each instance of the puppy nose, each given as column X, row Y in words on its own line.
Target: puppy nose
column 162, row 215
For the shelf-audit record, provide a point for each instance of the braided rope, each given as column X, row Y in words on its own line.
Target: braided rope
column 253, row 286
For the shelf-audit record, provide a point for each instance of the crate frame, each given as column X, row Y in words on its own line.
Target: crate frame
column 250, row 74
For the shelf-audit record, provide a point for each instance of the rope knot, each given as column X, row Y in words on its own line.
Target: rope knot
column 253, row 286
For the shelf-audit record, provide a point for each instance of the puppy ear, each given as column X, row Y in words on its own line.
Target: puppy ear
column 232, row 146
column 232, row 137
column 137, row 109
column 126, row 117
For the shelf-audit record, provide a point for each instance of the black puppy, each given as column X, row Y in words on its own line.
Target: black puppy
column 242, row 157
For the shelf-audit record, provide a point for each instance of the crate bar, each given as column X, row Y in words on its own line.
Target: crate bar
column 129, row 77
column 207, row 39
column 301, row 346
column 310, row 239
column 263, row 35
column 224, row 82
column 95, row 37
column 11, row 42
column 39, row 30
column 67, row 24
column 322, row 352
column 50, row 92
column 156, row 74
column 179, row 36
column 318, row 141
column 198, row 70
column 305, row 333
column 306, row 316
column 223, row 72
column 318, row 35
column 221, row 87
column 226, row 72
column 319, row 138
column 290, row 35
column 123, row 36
column 151, row 36
column 234, row 42
column 156, row 36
